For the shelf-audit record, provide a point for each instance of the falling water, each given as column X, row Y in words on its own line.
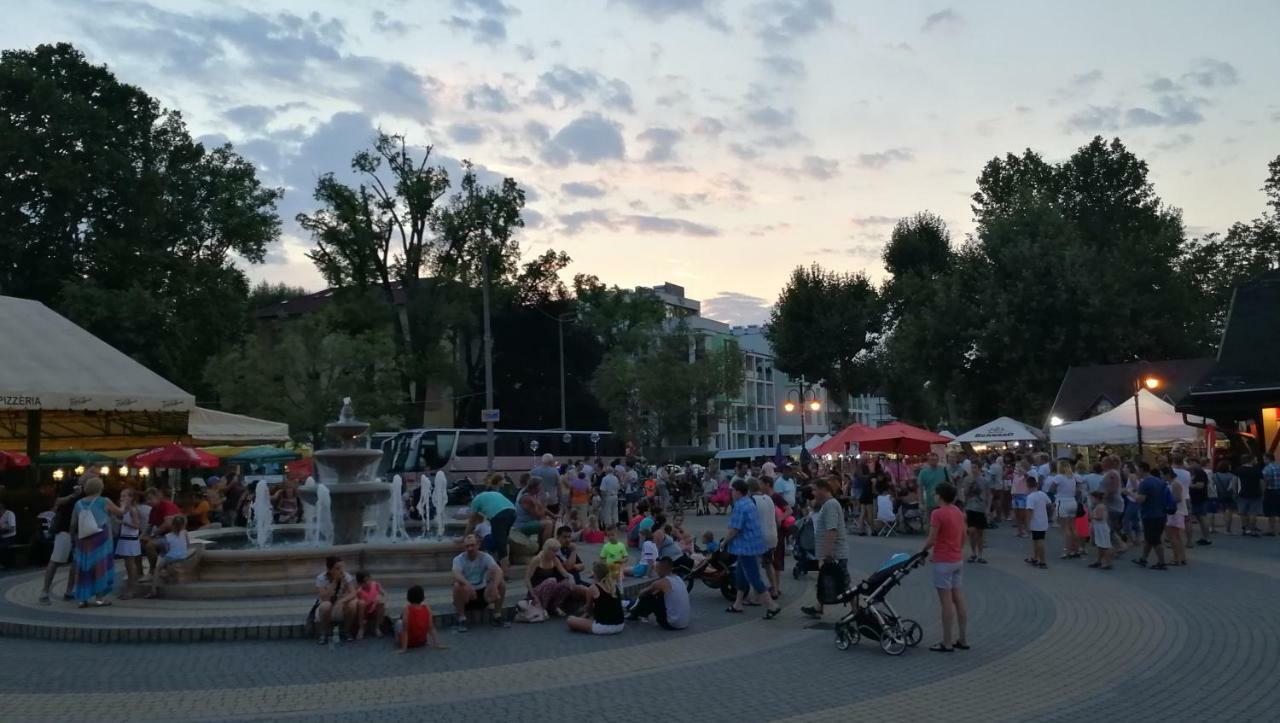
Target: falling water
column 262, row 515
column 424, row 503
column 324, row 515
column 440, row 498
column 397, row 509
column 310, row 519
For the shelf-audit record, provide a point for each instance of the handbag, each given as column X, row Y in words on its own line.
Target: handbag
column 833, row 581
column 86, row 523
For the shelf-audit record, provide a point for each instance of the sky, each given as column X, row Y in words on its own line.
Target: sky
column 715, row 144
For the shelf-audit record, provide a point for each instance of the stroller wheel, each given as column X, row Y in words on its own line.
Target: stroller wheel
column 729, row 591
column 892, row 642
column 846, row 636
column 912, row 633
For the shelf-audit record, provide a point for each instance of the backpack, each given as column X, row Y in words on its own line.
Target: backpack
column 1170, row 504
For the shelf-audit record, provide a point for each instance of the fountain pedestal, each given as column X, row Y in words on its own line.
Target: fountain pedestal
column 348, row 473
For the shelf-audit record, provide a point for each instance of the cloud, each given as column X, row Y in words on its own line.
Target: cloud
column 532, row 219
column 662, row 144
column 663, row 10
column 577, row 222
column 488, row 98
column 819, row 167
column 1178, row 142
column 1162, row 85
column 736, row 308
column 864, row 221
column 783, row 21
column 590, row 138
column 466, row 133
column 770, row 117
column 1094, row 118
column 485, row 20
column 708, row 126
column 885, row 157
column 900, row 47
column 562, row 87
column 744, row 152
column 250, row 117
column 783, row 66
column 384, row 23
column 947, row 20
column 281, row 52
column 1174, row 110
column 577, row 189
column 686, row 201
column 1210, row 73
column 1084, row 80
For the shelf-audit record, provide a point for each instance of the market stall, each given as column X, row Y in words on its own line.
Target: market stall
column 1002, row 430
column 1160, row 425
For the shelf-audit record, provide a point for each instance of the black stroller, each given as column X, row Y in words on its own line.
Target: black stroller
column 804, row 548
column 872, row 617
column 715, row 571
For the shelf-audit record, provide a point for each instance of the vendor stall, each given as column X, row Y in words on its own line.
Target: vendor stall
column 1160, row 425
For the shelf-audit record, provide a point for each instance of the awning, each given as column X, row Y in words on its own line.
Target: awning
column 1003, row 429
column 207, row 426
column 52, row 364
column 840, row 441
column 1160, row 425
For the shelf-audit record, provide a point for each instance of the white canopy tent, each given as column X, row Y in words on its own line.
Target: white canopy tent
column 1160, row 425
column 1003, row 429
column 207, row 426
column 816, row 440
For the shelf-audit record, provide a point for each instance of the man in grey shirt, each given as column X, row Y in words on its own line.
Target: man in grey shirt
column 550, row 477
column 828, row 530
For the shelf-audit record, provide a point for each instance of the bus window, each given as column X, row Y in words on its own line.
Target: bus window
column 472, row 444
column 435, row 450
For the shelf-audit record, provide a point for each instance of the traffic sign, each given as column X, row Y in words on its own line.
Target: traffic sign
column 489, row 415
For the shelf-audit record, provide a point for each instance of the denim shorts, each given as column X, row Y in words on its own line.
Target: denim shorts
column 1019, row 502
column 1249, row 506
column 947, row 575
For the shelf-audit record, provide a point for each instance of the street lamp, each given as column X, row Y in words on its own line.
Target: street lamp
column 803, row 395
column 1151, row 383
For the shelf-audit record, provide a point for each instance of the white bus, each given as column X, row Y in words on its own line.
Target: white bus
column 463, row 453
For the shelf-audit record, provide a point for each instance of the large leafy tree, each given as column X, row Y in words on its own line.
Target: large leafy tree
column 113, row 215
column 824, row 326
column 918, row 252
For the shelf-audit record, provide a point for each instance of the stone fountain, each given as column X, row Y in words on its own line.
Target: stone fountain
column 347, row 471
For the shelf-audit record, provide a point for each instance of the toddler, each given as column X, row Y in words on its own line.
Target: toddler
column 371, row 604
column 1100, row 530
column 176, row 542
column 613, row 553
column 648, row 556
column 415, row 628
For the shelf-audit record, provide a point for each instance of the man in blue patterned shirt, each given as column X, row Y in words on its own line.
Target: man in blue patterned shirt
column 746, row 540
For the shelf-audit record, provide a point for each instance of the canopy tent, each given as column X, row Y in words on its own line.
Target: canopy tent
column 61, row 387
column 13, row 460
column 1160, row 425
column 174, row 456
column 1003, row 429
column 812, row 443
column 839, row 443
column 263, row 455
column 899, row 438
column 208, row 426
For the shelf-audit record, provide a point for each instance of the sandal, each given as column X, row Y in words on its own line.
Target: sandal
column 1042, row 566
column 102, row 604
column 151, row 596
column 770, row 615
column 982, row 561
column 961, row 646
column 732, row 609
column 1095, row 565
column 940, row 648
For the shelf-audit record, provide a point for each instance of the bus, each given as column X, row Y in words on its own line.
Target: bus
column 463, row 453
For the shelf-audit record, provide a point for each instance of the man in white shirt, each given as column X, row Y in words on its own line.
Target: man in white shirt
column 768, row 468
column 761, row 492
column 785, row 485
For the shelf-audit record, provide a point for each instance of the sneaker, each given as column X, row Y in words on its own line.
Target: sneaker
column 44, row 598
column 68, row 596
column 1158, row 566
column 460, row 628
column 1203, row 542
column 811, row 611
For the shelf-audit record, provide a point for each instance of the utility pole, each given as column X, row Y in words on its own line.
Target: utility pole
column 560, row 328
column 488, row 363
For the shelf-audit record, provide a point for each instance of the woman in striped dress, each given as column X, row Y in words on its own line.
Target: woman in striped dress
column 95, row 563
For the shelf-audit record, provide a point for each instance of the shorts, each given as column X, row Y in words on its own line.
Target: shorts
column 601, row 629
column 1271, row 503
column 1019, row 502
column 947, row 575
column 1100, row 533
column 1176, row 522
column 531, row 528
column 640, row 570
column 1037, row 534
column 1199, row 509
column 1152, row 530
column 477, row 602
column 976, row 520
column 501, row 526
column 1066, row 508
column 61, row 549
column 1249, row 506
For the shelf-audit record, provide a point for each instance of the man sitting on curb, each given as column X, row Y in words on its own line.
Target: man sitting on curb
column 477, row 584
column 666, row 599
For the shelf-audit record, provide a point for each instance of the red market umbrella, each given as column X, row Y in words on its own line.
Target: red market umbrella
column 174, row 456
column 13, row 460
column 839, row 444
column 300, row 469
column 899, row 438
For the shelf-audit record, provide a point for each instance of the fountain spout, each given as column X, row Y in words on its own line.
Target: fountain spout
column 263, row 523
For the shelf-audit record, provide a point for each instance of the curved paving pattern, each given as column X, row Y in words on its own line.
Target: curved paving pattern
column 1066, row 644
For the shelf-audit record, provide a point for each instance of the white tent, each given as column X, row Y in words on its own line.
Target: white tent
column 1160, row 425
column 816, row 440
column 1003, row 429
column 206, row 426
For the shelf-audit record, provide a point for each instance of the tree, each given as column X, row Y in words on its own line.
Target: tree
column 919, row 251
column 379, row 235
column 301, row 376
column 823, row 326
column 112, row 214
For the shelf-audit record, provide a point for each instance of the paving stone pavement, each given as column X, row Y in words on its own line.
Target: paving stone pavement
column 1069, row 643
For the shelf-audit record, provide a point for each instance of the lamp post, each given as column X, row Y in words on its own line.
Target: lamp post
column 803, row 395
column 1151, row 383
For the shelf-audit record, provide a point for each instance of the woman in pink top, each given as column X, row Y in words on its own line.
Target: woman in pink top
column 946, row 539
column 1018, row 488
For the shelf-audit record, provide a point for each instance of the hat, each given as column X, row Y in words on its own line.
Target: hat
column 197, row 483
column 665, row 558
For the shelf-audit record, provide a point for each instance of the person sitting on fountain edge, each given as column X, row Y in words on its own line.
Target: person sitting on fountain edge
column 477, row 584
column 532, row 516
column 494, row 507
column 335, row 598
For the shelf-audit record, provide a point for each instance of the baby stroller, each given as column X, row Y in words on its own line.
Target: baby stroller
column 872, row 617
column 716, row 572
column 804, row 548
